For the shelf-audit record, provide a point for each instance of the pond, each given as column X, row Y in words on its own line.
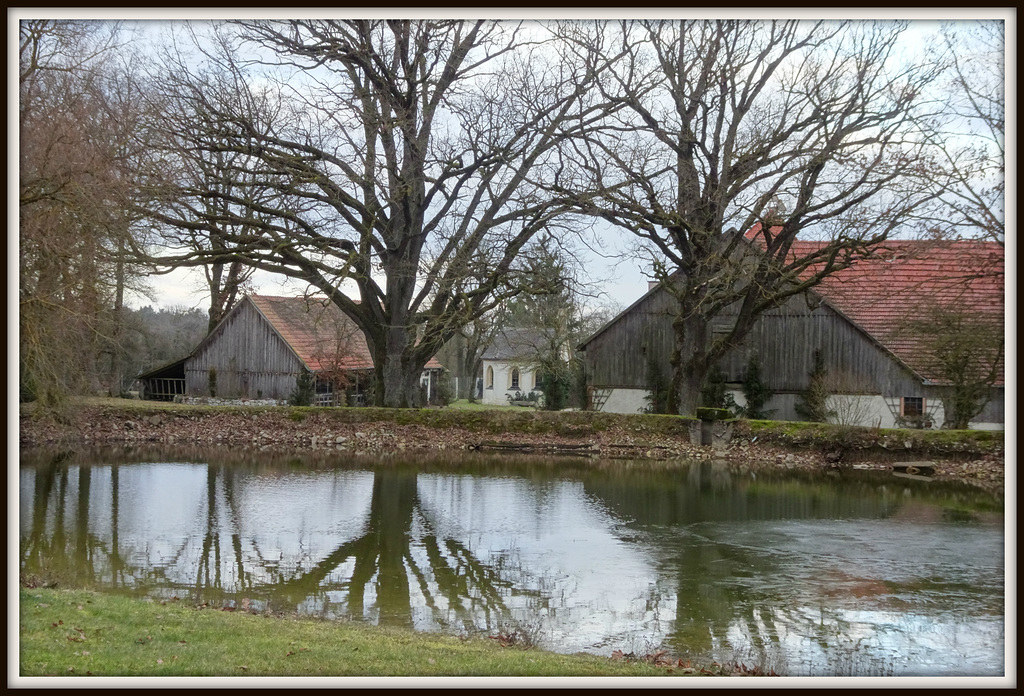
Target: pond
column 806, row 574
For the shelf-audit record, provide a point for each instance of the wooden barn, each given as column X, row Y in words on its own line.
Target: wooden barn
column 863, row 320
column 263, row 345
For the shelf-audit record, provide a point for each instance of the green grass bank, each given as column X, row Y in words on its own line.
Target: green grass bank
column 79, row 633
column 120, row 420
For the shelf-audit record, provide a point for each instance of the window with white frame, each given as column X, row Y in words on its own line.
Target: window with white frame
column 912, row 407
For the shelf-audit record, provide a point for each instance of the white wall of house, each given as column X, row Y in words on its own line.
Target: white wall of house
column 865, row 410
column 626, row 401
column 869, row 410
column 873, row 411
column 498, row 389
column 861, row 409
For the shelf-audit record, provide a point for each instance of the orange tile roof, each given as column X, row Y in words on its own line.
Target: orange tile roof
column 902, row 280
column 321, row 335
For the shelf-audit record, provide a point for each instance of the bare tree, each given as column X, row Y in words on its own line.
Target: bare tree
column 463, row 354
column 78, row 113
column 955, row 322
column 546, row 291
column 398, row 155
column 554, row 308
column 736, row 139
column 967, row 350
column 227, row 278
column 849, row 400
column 335, row 350
column 968, row 132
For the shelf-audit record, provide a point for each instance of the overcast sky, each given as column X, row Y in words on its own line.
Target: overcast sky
column 622, row 277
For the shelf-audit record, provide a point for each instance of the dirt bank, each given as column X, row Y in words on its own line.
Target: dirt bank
column 369, row 431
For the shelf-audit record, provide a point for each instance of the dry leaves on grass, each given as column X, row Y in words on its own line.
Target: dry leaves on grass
column 661, row 658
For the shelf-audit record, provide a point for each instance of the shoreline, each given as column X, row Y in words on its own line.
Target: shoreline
column 373, row 432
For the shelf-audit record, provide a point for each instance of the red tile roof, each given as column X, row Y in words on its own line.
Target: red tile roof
column 903, row 280
column 321, row 335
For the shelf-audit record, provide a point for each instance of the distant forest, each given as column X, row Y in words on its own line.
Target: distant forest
column 155, row 337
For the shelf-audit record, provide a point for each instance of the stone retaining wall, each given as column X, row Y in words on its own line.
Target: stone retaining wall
column 214, row 401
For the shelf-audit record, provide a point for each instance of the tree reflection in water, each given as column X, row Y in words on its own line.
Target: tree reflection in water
column 397, row 563
column 782, row 573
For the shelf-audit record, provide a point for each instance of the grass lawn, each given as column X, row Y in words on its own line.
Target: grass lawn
column 80, row 633
column 467, row 405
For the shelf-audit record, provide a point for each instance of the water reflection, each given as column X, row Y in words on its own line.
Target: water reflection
column 810, row 575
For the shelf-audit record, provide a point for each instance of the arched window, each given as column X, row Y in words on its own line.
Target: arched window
column 490, row 377
column 515, row 378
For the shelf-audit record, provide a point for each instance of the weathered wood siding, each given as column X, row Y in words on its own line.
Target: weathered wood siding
column 251, row 360
column 619, row 356
column 786, row 338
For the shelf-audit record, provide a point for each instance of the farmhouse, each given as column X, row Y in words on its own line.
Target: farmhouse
column 868, row 323
column 263, row 345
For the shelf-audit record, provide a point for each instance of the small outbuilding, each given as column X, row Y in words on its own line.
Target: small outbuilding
column 265, row 343
column 163, row 383
column 510, row 367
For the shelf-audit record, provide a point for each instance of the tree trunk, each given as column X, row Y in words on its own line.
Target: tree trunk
column 690, row 362
column 398, row 375
column 223, row 292
column 475, row 368
column 391, row 390
column 688, row 390
column 116, row 383
column 397, row 360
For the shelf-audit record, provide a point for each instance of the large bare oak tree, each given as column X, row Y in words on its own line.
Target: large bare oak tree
column 737, row 138
column 398, row 156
